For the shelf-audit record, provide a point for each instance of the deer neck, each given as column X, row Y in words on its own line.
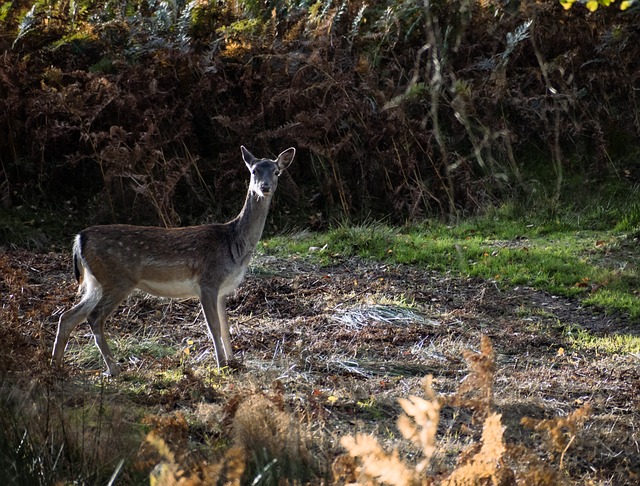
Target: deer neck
column 249, row 225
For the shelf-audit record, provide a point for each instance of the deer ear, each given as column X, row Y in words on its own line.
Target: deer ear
column 285, row 158
column 247, row 156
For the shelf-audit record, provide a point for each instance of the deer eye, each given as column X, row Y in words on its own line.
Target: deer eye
column 277, row 173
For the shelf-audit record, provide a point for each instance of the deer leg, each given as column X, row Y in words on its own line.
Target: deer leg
column 67, row 323
column 97, row 317
column 215, row 315
column 224, row 327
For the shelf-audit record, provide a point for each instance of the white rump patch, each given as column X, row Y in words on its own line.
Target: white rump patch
column 90, row 288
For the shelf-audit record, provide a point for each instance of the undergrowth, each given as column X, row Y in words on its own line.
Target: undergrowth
column 599, row 267
column 45, row 439
column 268, row 436
column 174, row 420
column 399, row 109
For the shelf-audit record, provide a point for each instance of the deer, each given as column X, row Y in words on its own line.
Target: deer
column 207, row 261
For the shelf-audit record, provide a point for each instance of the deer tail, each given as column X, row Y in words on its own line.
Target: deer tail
column 78, row 267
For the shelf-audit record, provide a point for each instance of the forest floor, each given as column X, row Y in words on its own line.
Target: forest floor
column 339, row 344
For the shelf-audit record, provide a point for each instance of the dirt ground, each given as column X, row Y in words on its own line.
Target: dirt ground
column 346, row 341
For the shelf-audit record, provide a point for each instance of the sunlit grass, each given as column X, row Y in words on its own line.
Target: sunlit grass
column 86, row 354
column 611, row 344
column 620, row 299
column 554, row 256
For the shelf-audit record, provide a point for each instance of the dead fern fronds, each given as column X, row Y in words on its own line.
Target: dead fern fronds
column 487, row 463
column 560, row 432
column 377, row 466
column 279, row 131
column 228, row 471
column 530, row 469
column 420, row 424
column 374, row 465
column 168, row 433
column 476, row 389
column 168, row 472
column 272, row 440
column 259, row 419
column 345, row 470
column 166, row 451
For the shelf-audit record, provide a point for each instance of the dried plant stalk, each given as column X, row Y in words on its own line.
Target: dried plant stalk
column 476, row 389
column 487, row 463
column 424, row 426
column 560, row 431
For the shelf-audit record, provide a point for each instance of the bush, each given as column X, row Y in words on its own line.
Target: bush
column 399, row 109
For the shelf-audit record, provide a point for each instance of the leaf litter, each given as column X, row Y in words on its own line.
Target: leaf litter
column 344, row 354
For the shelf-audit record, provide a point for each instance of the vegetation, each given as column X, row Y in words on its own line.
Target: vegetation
column 401, row 110
column 331, row 354
column 454, row 299
column 559, row 257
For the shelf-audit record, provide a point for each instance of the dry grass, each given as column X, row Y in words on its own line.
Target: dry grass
column 317, row 400
column 489, row 461
column 260, row 423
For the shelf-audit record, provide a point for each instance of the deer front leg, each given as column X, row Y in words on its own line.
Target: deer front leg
column 224, row 327
column 97, row 328
column 215, row 314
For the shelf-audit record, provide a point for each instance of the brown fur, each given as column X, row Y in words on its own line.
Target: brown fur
column 207, row 262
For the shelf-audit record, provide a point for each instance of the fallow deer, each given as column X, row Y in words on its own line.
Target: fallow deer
column 208, row 262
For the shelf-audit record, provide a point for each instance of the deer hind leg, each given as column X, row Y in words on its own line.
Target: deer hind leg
column 215, row 314
column 97, row 317
column 224, row 327
column 74, row 316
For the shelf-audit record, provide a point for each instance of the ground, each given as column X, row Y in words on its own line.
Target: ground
column 341, row 344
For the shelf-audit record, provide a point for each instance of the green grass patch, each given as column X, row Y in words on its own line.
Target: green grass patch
column 611, row 344
column 88, row 356
column 622, row 299
column 556, row 255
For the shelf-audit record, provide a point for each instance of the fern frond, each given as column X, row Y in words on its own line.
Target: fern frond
column 357, row 22
column 335, row 21
column 278, row 131
column 376, row 463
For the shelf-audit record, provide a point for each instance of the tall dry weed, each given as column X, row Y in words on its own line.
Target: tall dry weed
column 274, row 441
column 166, row 450
column 489, row 461
column 419, row 424
column 476, row 389
column 368, row 463
column 269, row 446
column 560, row 432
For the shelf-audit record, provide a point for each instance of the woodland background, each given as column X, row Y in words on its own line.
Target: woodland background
column 133, row 111
column 401, row 111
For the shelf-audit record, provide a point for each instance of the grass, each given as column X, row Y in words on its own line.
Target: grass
column 86, row 355
column 45, row 438
column 582, row 339
column 598, row 266
column 328, row 340
column 36, row 226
